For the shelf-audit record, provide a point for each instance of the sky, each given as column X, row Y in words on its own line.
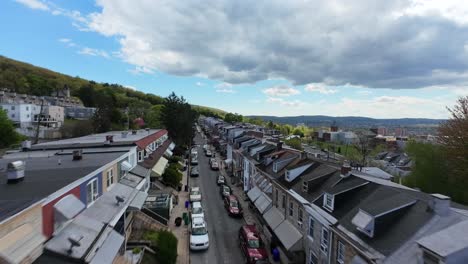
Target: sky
column 381, row 59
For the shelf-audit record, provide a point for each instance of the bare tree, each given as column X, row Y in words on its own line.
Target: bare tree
column 363, row 146
column 453, row 135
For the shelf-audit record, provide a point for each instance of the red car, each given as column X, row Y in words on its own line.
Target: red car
column 251, row 245
column 232, row 205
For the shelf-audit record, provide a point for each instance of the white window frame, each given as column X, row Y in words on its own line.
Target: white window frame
column 311, row 257
column 110, row 178
column 328, row 201
column 305, row 186
column 340, row 252
column 324, row 240
column 283, row 202
column 311, row 232
column 291, row 209
column 140, row 156
column 94, row 196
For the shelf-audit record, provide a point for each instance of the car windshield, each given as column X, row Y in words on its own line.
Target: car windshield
column 254, row 243
column 234, row 203
column 195, row 193
column 226, row 189
column 197, row 210
column 198, row 231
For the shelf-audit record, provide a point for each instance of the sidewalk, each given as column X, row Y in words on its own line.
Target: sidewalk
column 181, row 232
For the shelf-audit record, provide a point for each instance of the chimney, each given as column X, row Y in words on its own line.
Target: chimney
column 303, row 155
column 134, row 132
column 440, row 204
column 279, row 145
column 110, row 139
column 345, row 169
column 77, row 154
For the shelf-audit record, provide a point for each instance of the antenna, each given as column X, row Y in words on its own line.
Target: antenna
column 74, row 242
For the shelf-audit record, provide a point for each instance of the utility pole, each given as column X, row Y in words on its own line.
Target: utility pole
column 36, row 137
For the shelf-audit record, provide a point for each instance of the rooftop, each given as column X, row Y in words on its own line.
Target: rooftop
column 44, row 176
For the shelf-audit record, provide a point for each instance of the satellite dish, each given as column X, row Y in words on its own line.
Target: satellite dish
column 120, row 199
column 74, row 242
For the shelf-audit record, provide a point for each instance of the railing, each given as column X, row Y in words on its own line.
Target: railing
column 155, row 216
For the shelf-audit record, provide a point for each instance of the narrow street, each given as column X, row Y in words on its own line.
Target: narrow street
column 222, row 229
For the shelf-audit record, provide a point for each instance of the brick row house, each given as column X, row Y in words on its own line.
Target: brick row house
column 85, row 189
column 315, row 212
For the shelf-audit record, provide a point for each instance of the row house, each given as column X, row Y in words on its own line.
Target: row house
column 83, row 189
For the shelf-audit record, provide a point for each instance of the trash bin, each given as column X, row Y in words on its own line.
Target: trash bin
column 186, row 188
column 276, row 254
column 186, row 218
column 187, row 204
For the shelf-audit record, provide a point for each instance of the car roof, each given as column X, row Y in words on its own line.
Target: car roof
column 195, row 188
column 250, row 231
column 197, row 221
column 196, row 204
column 232, row 197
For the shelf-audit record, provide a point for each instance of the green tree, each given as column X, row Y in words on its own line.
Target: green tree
column 294, row 143
column 172, row 175
column 178, row 118
column 233, row 118
column 8, row 135
column 153, row 117
column 166, row 247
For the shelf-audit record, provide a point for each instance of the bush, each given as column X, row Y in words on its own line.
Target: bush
column 172, row 176
column 136, row 250
column 167, row 248
column 175, row 159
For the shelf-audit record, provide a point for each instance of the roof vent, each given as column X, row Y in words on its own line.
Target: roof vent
column 26, row 145
column 134, row 132
column 440, row 204
column 119, row 199
column 15, row 171
column 124, row 134
column 110, row 138
column 78, row 154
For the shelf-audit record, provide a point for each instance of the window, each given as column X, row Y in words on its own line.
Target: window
column 328, row 200
column 340, row 253
column 12, row 115
column 27, row 116
column 311, row 228
column 27, row 108
column 283, row 202
column 312, row 258
column 299, row 217
column 92, row 191
column 110, row 177
column 324, row 241
column 276, row 197
column 305, row 186
column 291, row 208
column 12, row 107
column 140, row 156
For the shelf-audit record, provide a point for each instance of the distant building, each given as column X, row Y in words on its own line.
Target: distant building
column 401, row 132
column 79, row 112
column 21, row 114
column 382, row 131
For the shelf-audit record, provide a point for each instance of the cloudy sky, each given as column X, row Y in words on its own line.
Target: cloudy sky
column 384, row 59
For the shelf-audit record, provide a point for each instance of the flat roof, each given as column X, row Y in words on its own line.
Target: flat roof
column 447, row 241
column 44, row 176
column 97, row 139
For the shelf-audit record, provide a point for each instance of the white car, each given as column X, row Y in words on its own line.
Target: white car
column 199, row 239
column 194, row 160
column 197, row 210
column 195, row 194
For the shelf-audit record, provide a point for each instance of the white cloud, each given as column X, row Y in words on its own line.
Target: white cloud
column 94, row 52
column 223, row 85
column 34, row 4
column 65, row 40
column 394, row 44
column 320, row 88
column 281, row 90
column 199, row 84
column 225, row 90
column 283, row 102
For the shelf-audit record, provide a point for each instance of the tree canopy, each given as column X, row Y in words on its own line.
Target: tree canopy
column 233, row 118
column 8, row 135
column 178, row 118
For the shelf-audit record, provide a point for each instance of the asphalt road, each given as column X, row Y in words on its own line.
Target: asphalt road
column 222, row 229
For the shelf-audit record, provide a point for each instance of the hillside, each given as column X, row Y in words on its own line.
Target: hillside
column 351, row 121
column 25, row 78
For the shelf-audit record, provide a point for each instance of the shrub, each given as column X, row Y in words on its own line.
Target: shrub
column 172, row 176
column 167, row 248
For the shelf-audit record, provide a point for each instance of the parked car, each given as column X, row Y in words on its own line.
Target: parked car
column 214, row 165
column 197, row 210
column 195, row 194
column 199, row 239
column 194, row 172
column 224, row 190
column 232, row 205
column 194, row 151
column 194, row 160
column 212, row 160
column 220, row 179
column 252, row 245
column 205, row 147
column 208, row 153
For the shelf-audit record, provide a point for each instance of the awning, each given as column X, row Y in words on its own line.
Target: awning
column 168, row 153
column 109, row 249
column 138, row 201
column 125, row 166
column 288, row 234
column 172, row 146
column 18, row 245
column 273, row 217
column 254, row 193
column 263, row 203
column 160, row 166
column 67, row 208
